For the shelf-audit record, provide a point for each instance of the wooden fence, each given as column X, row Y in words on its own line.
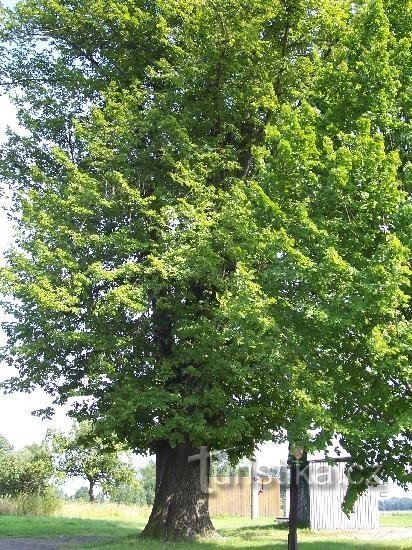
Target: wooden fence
column 231, row 496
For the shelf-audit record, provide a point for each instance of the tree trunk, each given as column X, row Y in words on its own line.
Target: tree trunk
column 181, row 505
column 303, row 493
column 91, row 491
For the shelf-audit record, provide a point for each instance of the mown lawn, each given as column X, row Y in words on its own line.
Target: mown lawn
column 122, row 523
column 11, row 526
column 263, row 534
column 77, row 519
column 396, row 519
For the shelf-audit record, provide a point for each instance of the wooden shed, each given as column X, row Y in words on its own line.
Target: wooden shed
column 327, row 488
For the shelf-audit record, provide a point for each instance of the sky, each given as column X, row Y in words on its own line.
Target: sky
column 16, row 421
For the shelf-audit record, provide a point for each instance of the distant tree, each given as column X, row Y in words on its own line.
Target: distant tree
column 395, row 504
column 221, row 466
column 82, row 453
column 147, row 476
column 81, row 494
column 128, row 493
column 5, row 446
column 37, row 469
column 26, row 472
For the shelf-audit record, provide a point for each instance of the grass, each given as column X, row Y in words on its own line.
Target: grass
column 77, row 519
column 122, row 523
column 262, row 534
column 396, row 519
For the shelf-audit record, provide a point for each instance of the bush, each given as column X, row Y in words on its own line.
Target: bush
column 7, row 507
column 82, row 494
column 25, row 472
column 44, row 504
column 31, row 505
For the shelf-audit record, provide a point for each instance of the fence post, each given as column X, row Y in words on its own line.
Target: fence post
column 254, row 490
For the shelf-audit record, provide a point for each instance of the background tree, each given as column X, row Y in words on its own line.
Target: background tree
column 395, row 503
column 139, row 490
column 5, row 446
column 128, row 493
column 220, row 466
column 147, row 477
column 26, row 472
column 213, row 227
column 82, row 494
column 84, row 454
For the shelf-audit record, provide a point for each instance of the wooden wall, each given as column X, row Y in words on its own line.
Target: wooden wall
column 327, row 490
column 231, row 496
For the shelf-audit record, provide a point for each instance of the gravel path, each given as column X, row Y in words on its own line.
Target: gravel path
column 385, row 533
column 372, row 535
column 46, row 544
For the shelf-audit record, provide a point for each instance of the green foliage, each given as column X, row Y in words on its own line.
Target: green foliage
column 25, row 480
column 147, row 477
column 83, row 453
column 82, row 494
column 44, row 504
column 129, row 493
column 5, row 446
column 213, row 220
column 26, row 473
column 221, row 466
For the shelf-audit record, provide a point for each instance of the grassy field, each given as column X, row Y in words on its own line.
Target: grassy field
column 396, row 519
column 77, row 519
column 122, row 523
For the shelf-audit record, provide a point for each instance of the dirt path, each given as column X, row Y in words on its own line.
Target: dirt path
column 372, row 535
column 46, row 544
column 386, row 533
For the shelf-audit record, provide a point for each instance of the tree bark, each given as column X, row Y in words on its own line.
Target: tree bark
column 91, row 491
column 304, row 493
column 181, row 505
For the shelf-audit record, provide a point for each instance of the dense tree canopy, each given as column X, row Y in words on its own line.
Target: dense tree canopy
column 214, row 224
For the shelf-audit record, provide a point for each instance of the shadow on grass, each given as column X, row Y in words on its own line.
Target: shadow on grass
column 268, row 527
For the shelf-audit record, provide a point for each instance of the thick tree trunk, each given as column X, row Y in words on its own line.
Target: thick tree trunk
column 181, row 506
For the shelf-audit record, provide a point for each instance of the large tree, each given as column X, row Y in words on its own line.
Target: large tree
column 213, row 226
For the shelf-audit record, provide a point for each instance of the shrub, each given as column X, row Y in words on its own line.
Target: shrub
column 44, row 504
column 82, row 494
column 7, row 507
